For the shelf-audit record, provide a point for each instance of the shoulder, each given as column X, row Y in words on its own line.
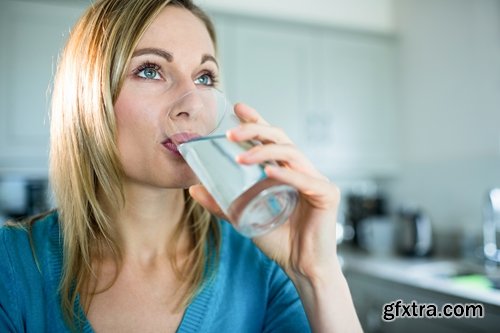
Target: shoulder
column 28, row 237
column 253, row 288
column 17, row 231
column 29, row 274
column 21, row 279
column 238, row 251
column 242, row 262
column 27, row 247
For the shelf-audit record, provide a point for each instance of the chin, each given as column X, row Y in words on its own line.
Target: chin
column 188, row 184
column 184, row 180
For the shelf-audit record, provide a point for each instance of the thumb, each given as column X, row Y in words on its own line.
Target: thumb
column 200, row 194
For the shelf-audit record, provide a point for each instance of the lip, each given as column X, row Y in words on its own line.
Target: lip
column 173, row 141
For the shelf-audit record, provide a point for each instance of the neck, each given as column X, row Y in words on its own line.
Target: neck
column 148, row 221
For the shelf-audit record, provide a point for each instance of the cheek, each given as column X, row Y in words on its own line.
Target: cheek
column 132, row 118
column 124, row 114
column 137, row 130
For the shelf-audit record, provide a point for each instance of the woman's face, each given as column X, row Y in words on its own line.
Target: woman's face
column 175, row 55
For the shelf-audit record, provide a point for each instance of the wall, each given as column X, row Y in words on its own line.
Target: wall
column 376, row 15
column 450, row 111
column 31, row 35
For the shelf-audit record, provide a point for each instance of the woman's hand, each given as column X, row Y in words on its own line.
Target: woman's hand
column 305, row 247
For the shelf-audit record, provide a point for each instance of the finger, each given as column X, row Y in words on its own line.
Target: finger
column 248, row 114
column 260, row 132
column 319, row 192
column 201, row 195
column 288, row 155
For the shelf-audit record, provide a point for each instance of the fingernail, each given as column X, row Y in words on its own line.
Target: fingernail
column 243, row 156
column 233, row 132
column 230, row 134
column 272, row 169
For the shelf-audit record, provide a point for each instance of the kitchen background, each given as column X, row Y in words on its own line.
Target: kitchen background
column 396, row 101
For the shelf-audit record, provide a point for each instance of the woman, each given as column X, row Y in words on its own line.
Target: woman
column 129, row 249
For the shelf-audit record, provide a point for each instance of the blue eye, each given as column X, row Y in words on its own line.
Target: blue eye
column 149, row 72
column 205, row 79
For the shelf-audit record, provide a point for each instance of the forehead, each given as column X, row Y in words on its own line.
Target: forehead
column 179, row 31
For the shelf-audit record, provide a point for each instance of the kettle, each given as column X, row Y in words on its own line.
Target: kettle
column 413, row 233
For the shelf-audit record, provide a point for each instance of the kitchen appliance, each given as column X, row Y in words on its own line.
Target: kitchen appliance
column 413, row 232
column 491, row 225
column 363, row 206
column 376, row 235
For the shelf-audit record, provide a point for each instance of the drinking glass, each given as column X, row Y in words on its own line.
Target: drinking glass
column 197, row 124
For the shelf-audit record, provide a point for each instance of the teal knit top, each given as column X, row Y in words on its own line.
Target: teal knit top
column 250, row 292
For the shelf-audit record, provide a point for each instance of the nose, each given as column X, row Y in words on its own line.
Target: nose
column 195, row 111
column 186, row 106
column 185, row 113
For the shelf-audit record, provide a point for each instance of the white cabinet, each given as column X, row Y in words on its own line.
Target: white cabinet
column 332, row 91
column 268, row 66
column 31, row 35
column 357, row 116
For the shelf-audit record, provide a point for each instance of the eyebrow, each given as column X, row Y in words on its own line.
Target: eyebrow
column 168, row 56
column 208, row 57
column 151, row 50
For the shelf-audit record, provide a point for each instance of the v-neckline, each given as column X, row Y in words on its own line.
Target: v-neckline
column 192, row 318
column 194, row 314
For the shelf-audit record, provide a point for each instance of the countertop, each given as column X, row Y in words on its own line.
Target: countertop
column 426, row 273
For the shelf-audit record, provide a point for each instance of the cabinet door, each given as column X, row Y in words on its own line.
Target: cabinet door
column 269, row 69
column 371, row 294
column 225, row 39
column 333, row 92
column 358, row 115
column 31, row 35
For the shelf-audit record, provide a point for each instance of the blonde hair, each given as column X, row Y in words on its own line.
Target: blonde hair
column 84, row 156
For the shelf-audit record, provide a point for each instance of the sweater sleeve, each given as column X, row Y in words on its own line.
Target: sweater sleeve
column 8, row 303
column 285, row 312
